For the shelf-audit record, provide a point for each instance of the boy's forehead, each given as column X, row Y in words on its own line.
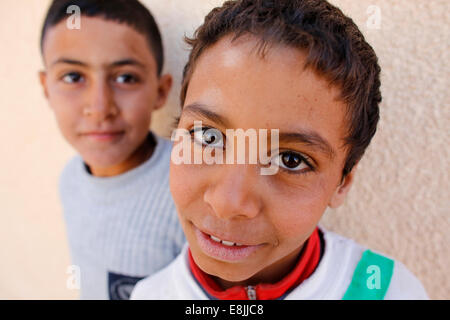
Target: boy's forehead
column 278, row 81
column 98, row 41
column 232, row 50
column 273, row 91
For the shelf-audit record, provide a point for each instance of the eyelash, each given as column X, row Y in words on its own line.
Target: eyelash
column 304, row 159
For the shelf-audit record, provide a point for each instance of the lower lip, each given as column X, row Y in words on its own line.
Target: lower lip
column 104, row 136
column 222, row 252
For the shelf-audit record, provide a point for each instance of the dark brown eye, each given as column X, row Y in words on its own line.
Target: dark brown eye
column 72, row 77
column 291, row 161
column 126, row 78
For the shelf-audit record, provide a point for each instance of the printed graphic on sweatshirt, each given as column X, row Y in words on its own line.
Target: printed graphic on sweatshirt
column 120, row 286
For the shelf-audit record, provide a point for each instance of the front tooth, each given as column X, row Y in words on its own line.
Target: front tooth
column 215, row 239
column 228, row 243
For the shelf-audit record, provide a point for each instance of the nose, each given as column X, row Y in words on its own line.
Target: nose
column 234, row 195
column 100, row 104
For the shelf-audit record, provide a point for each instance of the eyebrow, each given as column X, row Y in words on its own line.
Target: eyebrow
column 127, row 62
column 310, row 138
column 68, row 61
column 119, row 63
column 200, row 110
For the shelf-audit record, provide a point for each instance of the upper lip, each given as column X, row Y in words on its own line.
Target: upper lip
column 227, row 238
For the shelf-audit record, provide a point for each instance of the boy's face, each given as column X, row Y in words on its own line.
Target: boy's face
column 102, row 84
column 272, row 215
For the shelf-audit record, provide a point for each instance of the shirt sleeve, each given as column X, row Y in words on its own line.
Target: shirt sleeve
column 404, row 285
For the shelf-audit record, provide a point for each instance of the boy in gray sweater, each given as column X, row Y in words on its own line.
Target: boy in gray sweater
column 103, row 79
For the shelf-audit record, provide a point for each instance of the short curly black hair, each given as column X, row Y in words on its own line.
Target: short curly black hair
column 333, row 44
column 130, row 12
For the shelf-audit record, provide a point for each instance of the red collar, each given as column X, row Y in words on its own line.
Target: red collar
column 306, row 265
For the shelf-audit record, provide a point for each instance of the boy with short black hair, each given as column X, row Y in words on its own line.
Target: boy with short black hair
column 103, row 81
column 301, row 69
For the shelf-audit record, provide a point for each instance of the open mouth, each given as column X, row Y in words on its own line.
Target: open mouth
column 226, row 243
column 224, row 250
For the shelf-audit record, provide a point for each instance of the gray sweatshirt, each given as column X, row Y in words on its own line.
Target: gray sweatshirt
column 120, row 228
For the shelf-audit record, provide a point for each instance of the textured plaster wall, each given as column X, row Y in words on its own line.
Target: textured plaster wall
column 399, row 204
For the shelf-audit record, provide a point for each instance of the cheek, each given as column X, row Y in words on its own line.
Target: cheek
column 67, row 110
column 137, row 118
column 184, row 185
column 295, row 211
column 63, row 97
column 135, row 110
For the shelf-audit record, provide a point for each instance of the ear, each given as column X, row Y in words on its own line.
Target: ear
column 164, row 86
column 43, row 81
column 341, row 191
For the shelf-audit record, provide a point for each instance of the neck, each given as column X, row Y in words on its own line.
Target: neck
column 139, row 156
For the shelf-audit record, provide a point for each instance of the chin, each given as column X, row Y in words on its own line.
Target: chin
column 224, row 270
column 234, row 277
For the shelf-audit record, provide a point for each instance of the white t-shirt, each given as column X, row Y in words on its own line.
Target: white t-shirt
column 330, row 280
